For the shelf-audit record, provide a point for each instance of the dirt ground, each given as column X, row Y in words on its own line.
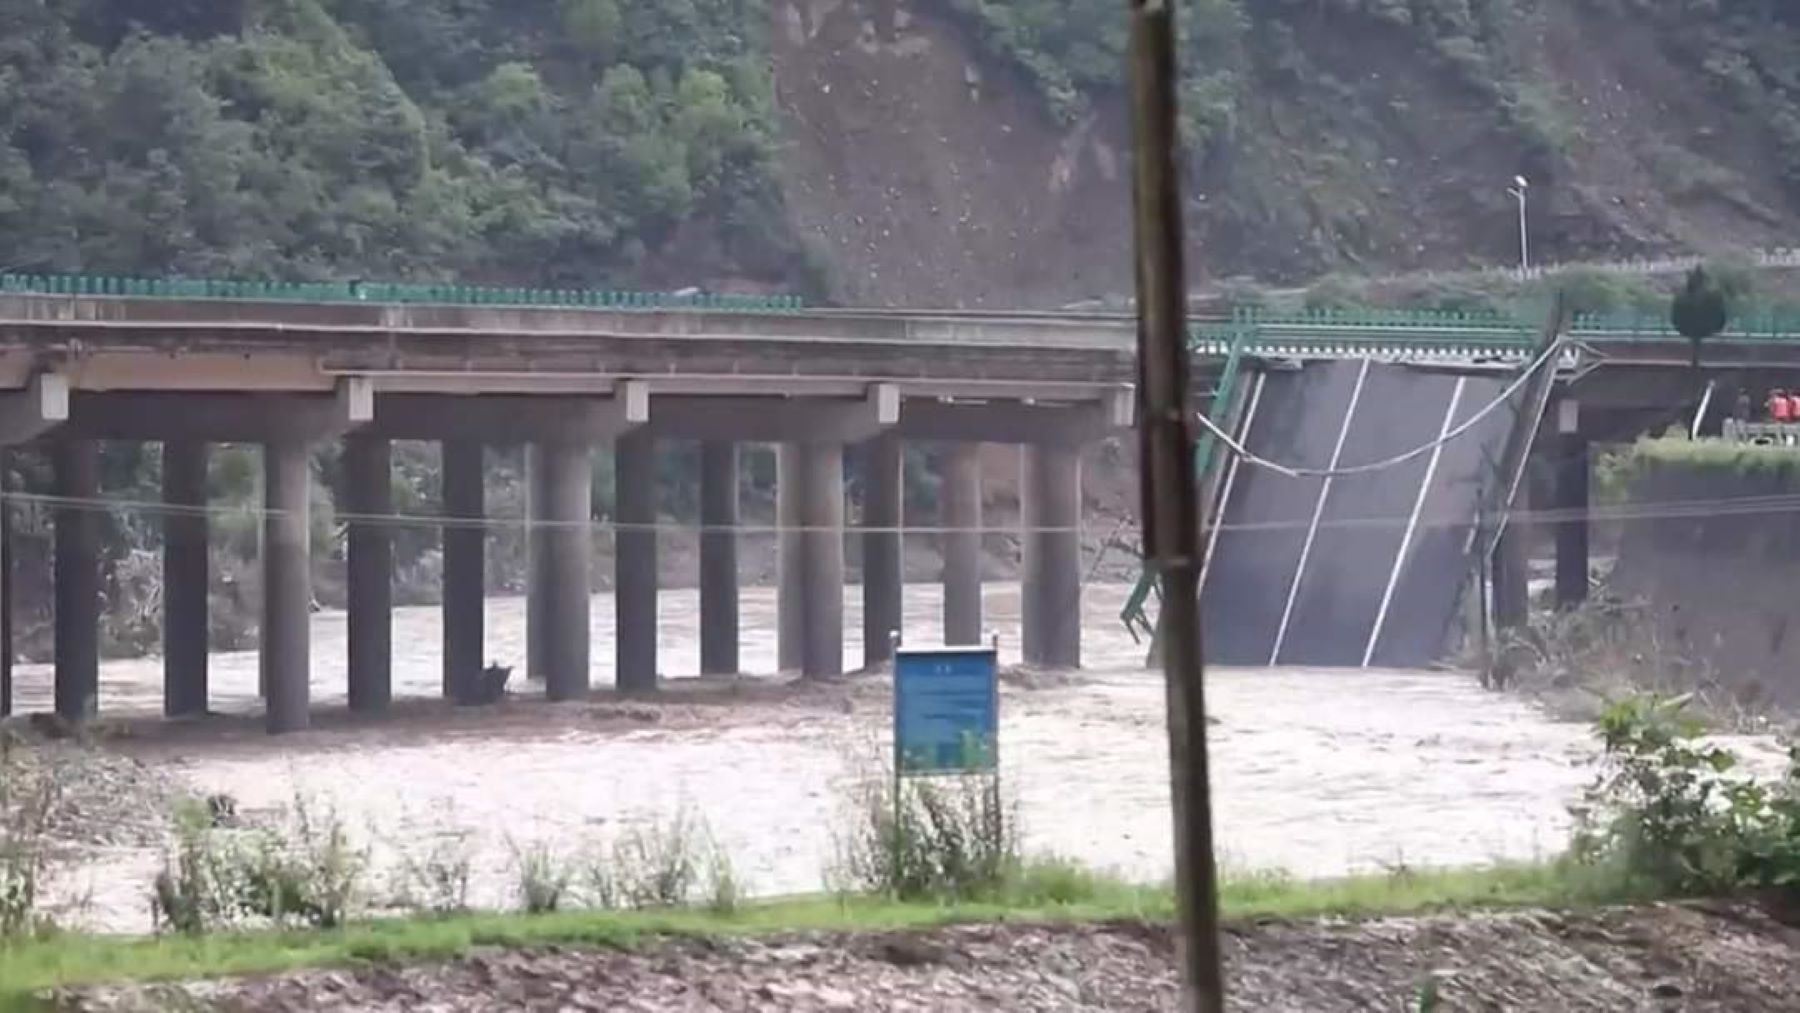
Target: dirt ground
column 1677, row 957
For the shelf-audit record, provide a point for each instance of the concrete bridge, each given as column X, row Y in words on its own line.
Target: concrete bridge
column 186, row 373
column 371, row 366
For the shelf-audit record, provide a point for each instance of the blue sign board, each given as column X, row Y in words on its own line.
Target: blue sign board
column 946, row 711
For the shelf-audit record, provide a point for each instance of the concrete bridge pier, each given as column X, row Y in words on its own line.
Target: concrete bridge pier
column 1050, row 595
column 6, row 587
column 537, row 511
column 959, row 512
column 883, row 486
column 368, row 493
column 1573, row 473
column 810, row 498
column 465, row 571
column 287, row 584
column 77, row 563
column 567, row 539
column 718, row 558
column 185, row 578
column 1511, row 569
column 634, row 562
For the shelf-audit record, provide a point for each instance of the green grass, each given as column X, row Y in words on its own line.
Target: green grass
column 1044, row 891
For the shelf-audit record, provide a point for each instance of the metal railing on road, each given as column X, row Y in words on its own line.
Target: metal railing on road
column 384, row 292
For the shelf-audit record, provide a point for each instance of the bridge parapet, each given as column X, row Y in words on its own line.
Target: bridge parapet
column 383, row 292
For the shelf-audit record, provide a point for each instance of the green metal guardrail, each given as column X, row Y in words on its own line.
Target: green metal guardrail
column 381, row 292
column 1224, row 396
column 1426, row 327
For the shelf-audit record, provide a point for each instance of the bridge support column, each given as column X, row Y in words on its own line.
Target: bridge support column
column 1050, row 599
column 1512, row 572
column 185, row 577
column 77, row 467
column 810, row 495
column 1573, row 471
column 881, row 547
column 368, row 492
column 287, row 585
column 959, row 511
column 634, row 563
column 537, row 511
column 718, row 558
column 6, row 588
column 465, row 571
column 568, row 545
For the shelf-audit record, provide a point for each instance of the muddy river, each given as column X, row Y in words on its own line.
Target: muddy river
column 1316, row 772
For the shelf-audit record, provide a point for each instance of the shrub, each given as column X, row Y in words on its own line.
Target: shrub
column 194, row 892
column 947, row 840
column 311, row 873
column 659, row 864
column 29, row 798
column 437, row 882
column 543, row 878
column 1677, row 815
column 304, row 871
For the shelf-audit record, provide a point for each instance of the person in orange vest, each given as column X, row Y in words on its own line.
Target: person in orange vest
column 1780, row 408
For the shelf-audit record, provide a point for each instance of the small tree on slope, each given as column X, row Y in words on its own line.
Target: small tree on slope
column 1699, row 310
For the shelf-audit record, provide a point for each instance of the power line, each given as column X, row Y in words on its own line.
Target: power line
column 1776, row 503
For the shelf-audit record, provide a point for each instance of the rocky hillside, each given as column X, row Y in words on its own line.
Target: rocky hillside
column 971, row 152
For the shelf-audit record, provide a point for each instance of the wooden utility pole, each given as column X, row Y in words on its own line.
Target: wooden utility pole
column 1171, row 502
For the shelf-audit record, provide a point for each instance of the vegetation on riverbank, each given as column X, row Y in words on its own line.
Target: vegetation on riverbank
column 31, row 967
column 1737, row 459
column 1668, row 815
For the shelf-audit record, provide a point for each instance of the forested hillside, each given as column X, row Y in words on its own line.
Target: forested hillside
column 607, row 142
column 543, row 142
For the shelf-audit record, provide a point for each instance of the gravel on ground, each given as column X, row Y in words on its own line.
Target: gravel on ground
column 1688, row 957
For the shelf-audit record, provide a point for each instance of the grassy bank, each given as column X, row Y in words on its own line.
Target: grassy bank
column 1061, row 893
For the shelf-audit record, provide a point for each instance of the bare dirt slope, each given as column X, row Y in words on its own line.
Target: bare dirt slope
column 930, row 176
column 1662, row 958
column 929, row 173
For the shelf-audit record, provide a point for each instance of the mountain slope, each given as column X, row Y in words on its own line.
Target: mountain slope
column 974, row 153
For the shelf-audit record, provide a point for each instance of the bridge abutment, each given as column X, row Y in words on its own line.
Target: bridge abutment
column 287, row 584
column 77, row 564
column 810, row 494
column 568, row 475
column 1050, row 596
column 368, row 494
column 718, row 558
column 185, row 578
column 634, row 562
column 465, row 570
column 959, row 499
column 883, row 461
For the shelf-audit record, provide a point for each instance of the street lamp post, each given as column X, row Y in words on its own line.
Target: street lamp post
column 1518, row 190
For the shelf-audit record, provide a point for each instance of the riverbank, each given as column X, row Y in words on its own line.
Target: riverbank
column 1380, row 943
column 1061, row 896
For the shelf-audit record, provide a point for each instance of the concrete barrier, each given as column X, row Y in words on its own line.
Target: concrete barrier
column 1717, row 565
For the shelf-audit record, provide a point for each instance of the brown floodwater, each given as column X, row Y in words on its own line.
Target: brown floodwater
column 1315, row 772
